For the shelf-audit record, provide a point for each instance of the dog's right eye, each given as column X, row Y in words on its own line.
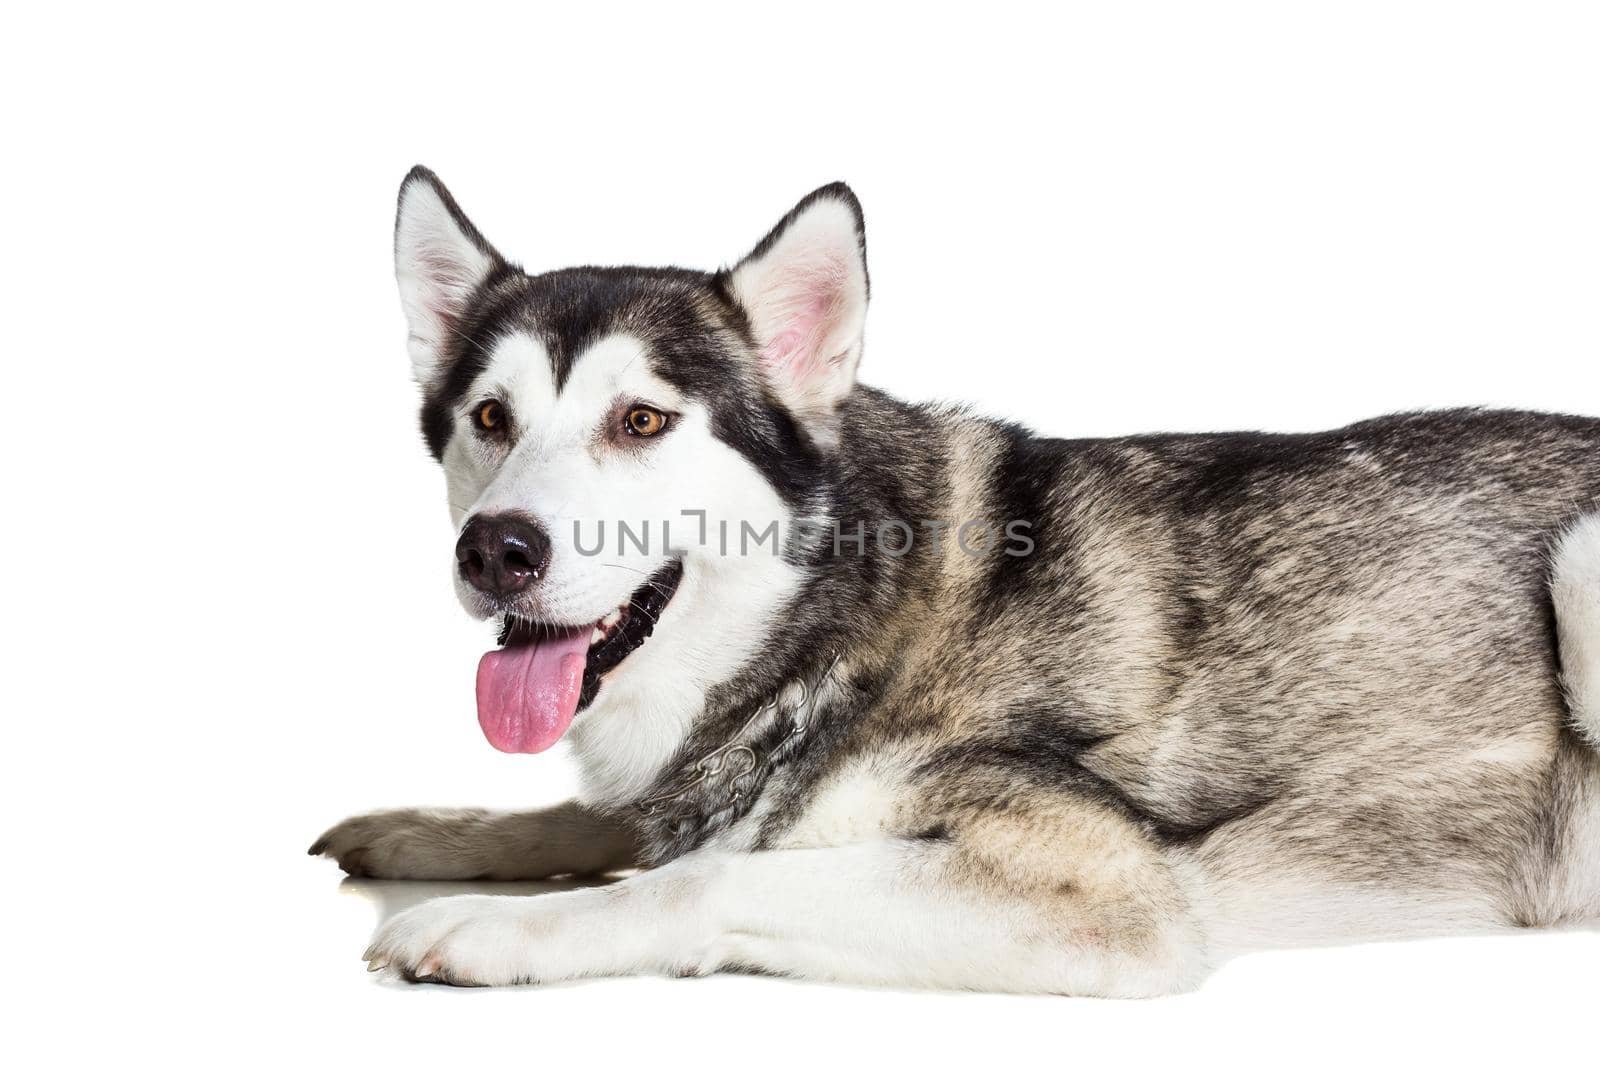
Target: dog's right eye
column 490, row 417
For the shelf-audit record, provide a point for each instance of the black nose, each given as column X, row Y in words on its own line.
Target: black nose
column 502, row 554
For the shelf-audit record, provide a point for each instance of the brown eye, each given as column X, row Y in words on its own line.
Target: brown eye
column 642, row 421
column 490, row 416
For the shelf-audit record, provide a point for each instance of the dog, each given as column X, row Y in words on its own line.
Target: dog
column 883, row 693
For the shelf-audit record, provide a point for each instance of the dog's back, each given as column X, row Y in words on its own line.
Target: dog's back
column 1301, row 662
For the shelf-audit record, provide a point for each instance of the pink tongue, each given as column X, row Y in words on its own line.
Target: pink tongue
column 528, row 694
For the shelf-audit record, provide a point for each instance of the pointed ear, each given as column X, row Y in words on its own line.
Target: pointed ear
column 804, row 289
column 440, row 260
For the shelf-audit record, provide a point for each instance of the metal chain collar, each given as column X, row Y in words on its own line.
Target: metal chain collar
column 738, row 756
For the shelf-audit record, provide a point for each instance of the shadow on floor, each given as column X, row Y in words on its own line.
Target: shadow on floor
column 390, row 898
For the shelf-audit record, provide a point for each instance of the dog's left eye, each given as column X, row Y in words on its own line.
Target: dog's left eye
column 489, row 417
column 643, row 421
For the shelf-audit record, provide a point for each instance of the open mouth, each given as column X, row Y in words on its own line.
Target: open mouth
column 531, row 687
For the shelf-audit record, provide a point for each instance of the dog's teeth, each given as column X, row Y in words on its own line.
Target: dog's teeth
column 613, row 619
column 598, row 636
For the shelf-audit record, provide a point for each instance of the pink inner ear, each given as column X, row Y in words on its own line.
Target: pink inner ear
column 450, row 282
column 795, row 350
column 805, row 304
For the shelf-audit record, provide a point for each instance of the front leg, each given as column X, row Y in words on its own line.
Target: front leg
column 898, row 912
column 470, row 843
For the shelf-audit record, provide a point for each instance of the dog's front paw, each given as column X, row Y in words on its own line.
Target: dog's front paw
column 405, row 843
column 462, row 940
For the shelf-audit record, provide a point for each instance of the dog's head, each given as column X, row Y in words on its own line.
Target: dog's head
column 627, row 452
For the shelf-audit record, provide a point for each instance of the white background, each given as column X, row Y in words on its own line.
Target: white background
column 228, row 600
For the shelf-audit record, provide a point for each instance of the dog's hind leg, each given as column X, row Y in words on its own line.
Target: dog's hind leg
column 470, row 843
column 1570, row 890
column 1575, row 590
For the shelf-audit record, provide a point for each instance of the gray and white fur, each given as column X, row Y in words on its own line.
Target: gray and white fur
column 1245, row 690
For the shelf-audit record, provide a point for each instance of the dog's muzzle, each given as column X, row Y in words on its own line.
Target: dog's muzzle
column 502, row 554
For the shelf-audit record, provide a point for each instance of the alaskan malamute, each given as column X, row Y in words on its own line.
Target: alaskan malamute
column 888, row 693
